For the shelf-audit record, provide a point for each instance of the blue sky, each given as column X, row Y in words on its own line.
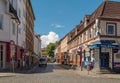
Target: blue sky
column 61, row 16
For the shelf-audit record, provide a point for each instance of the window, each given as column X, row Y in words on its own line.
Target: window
column 13, row 29
column 111, row 29
column 95, row 30
column 19, row 12
column 89, row 33
column 12, row 2
column 1, row 22
column 24, row 13
column 84, row 36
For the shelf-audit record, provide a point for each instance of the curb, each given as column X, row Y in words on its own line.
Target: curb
column 97, row 75
column 7, row 75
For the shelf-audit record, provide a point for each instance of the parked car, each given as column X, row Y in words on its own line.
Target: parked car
column 42, row 61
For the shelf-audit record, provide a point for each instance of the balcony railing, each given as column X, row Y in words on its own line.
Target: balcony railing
column 13, row 13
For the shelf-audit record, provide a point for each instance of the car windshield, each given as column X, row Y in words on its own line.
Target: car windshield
column 42, row 59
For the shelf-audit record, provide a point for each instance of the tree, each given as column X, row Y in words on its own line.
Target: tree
column 50, row 49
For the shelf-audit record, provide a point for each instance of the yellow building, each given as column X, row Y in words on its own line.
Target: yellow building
column 64, row 58
column 43, row 52
column 29, row 31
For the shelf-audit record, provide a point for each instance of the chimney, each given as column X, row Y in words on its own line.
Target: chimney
column 81, row 21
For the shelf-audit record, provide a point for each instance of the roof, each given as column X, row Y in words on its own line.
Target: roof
column 106, row 9
column 111, row 9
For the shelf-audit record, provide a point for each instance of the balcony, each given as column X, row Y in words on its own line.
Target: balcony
column 13, row 13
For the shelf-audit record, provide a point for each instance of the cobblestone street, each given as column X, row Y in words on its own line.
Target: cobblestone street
column 53, row 73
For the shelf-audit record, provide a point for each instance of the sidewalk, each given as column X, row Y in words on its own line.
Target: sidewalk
column 7, row 74
column 10, row 73
column 91, row 73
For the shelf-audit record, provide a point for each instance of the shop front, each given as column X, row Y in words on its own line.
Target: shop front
column 116, row 60
column 104, row 52
column 2, row 55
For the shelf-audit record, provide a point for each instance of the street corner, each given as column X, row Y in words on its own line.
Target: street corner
column 94, row 74
column 110, row 76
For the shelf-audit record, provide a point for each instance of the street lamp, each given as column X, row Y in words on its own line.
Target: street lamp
column 22, row 51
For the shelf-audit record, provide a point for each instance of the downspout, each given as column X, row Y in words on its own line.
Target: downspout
column 17, row 42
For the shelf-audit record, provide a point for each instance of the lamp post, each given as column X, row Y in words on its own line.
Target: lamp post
column 21, row 60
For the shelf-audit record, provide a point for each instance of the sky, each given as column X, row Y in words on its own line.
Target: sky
column 56, row 18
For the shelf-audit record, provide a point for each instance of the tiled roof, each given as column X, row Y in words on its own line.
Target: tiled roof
column 112, row 9
column 97, row 12
column 109, row 9
column 106, row 9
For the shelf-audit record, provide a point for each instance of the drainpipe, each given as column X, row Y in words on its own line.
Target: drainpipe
column 17, row 42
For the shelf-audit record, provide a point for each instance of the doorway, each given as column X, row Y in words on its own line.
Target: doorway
column 2, row 56
column 104, row 60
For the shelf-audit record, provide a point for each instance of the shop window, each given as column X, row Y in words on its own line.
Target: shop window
column 110, row 29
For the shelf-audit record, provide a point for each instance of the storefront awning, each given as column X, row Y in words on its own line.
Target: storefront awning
column 104, row 44
column 92, row 46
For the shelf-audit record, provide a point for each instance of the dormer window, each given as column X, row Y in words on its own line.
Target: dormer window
column 86, row 20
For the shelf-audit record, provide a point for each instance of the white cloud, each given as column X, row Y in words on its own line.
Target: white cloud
column 52, row 37
column 57, row 26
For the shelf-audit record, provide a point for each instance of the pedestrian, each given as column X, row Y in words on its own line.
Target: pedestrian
column 92, row 63
column 18, row 63
column 23, row 64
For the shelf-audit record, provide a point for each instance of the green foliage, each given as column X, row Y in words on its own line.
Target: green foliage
column 50, row 49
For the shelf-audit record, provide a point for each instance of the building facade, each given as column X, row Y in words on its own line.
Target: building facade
column 64, row 50
column 21, row 32
column 11, row 21
column 43, row 52
column 73, row 45
column 37, row 48
column 37, row 45
column 96, row 40
column 29, row 32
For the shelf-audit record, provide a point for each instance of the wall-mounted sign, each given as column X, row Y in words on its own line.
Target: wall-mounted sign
column 115, row 50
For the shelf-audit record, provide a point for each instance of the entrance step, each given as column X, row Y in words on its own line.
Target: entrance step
column 105, row 71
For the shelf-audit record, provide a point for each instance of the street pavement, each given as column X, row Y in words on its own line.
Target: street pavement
column 53, row 73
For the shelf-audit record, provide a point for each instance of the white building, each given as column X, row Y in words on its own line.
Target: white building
column 12, row 31
column 37, row 45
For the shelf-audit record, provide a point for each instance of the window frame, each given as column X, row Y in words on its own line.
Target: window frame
column 1, row 27
column 115, row 29
column 13, row 28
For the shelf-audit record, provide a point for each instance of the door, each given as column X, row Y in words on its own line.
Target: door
column 2, row 56
column 104, row 60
